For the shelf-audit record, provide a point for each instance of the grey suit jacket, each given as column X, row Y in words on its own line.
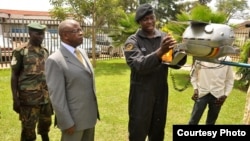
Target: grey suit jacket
column 72, row 90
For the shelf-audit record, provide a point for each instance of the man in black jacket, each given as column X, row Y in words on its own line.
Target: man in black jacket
column 148, row 95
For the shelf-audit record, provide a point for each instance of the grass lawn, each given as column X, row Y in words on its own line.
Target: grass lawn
column 112, row 83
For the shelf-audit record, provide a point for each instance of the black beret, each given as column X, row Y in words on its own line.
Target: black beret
column 143, row 10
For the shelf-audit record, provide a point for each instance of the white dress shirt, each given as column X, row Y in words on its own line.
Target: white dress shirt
column 69, row 48
column 216, row 79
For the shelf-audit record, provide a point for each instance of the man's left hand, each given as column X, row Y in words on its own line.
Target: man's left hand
column 220, row 100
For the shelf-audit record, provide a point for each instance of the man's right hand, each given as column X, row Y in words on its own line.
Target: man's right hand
column 167, row 44
column 195, row 95
column 70, row 130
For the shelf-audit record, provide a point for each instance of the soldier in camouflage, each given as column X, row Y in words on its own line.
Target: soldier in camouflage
column 28, row 85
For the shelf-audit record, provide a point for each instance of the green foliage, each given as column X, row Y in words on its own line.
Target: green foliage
column 218, row 17
column 183, row 16
column 59, row 13
column 198, row 12
column 243, row 72
column 203, row 2
column 176, row 28
column 127, row 26
column 128, row 5
column 201, row 13
column 229, row 7
column 102, row 12
column 165, row 10
column 187, row 6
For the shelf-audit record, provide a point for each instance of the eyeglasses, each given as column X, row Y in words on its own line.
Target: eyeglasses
column 74, row 31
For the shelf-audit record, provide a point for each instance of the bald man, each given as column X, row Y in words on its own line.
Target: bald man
column 71, row 86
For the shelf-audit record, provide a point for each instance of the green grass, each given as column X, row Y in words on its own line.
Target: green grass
column 112, row 83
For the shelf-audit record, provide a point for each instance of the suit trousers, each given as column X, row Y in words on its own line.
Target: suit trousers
column 80, row 135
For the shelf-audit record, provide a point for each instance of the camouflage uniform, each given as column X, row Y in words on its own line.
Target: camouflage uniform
column 35, row 106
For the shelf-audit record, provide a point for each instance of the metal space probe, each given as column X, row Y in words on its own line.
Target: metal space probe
column 208, row 42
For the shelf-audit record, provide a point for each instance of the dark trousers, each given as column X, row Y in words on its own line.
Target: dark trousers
column 147, row 119
column 199, row 108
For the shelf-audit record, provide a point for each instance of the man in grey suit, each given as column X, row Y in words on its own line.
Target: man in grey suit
column 71, row 86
